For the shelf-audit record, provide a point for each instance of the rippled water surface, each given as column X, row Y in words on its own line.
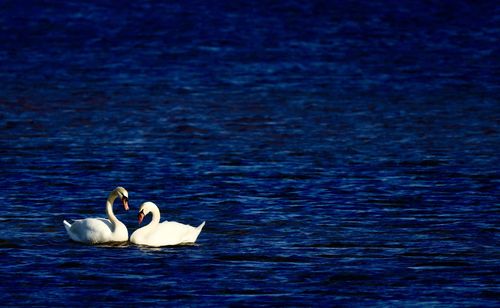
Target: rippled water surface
column 341, row 154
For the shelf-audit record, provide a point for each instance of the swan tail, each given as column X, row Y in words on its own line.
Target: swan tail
column 197, row 232
column 67, row 225
column 200, row 226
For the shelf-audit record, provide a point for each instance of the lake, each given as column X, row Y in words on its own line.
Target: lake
column 341, row 153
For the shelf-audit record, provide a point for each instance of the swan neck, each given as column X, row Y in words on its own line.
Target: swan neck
column 109, row 207
column 156, row 216
column 155, row 221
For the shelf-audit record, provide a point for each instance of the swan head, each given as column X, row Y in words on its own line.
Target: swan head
column 145, row 209
column 123, row 194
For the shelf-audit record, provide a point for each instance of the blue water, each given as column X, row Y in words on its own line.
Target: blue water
column 342, row 153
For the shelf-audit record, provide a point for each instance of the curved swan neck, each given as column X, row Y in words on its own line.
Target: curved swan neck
column 109, row 207
column 155, row 221
column 156, row 216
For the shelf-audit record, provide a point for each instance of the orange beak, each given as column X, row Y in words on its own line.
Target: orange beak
column 140, row 217
column 125, row 203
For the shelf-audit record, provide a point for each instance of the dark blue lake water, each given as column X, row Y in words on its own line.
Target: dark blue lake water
column 342, row 153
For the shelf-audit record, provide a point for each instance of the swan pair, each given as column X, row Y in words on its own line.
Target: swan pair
column 156, row 234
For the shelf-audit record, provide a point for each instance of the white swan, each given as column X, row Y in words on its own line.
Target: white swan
column 100, row 230
column 158, row 234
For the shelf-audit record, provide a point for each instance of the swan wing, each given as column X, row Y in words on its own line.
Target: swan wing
column 90, row 230
column 173, row 233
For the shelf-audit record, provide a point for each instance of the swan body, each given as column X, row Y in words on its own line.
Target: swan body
column 167, row 233
column 100, row 230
